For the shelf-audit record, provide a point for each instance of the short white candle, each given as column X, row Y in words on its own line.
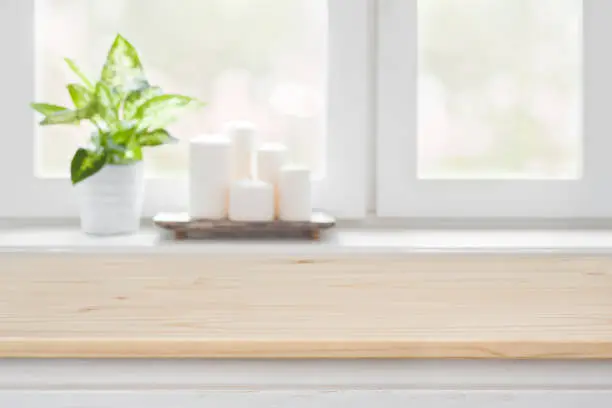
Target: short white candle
column 242, row 136
column 209, row 176
column 251, row 201
column 295, row 194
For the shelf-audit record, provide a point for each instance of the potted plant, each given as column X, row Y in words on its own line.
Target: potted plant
column 127, row 114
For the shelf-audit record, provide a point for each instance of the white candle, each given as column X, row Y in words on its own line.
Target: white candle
column 251, row 201
column 295, row 195
column 270, row 159
column 242, row 135
column 209, row 176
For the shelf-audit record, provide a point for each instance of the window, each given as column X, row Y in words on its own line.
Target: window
column 262, row 61
column 493, row 109
column 297, row 68
column 407, row 108
column 498, row 89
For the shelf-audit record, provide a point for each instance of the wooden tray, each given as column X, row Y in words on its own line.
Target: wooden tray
column 185, row 227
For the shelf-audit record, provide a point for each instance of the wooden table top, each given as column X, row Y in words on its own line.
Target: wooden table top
column 351, row 306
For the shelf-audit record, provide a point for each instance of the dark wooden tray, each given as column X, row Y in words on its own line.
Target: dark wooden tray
column 185, row 227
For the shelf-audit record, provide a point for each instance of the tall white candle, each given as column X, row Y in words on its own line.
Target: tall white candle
column 270, row 159
column 295, row 194
column 209, row 176
column 242, row 136
column 251, row 201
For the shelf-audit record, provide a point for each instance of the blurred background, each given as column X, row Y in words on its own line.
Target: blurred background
column 500, row 89
column 500, row 81
column 263, row 61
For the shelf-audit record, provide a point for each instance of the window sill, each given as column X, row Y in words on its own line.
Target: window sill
column 532, row 295
column 50, row 238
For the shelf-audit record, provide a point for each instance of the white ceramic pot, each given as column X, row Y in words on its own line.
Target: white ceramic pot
column 111, row 200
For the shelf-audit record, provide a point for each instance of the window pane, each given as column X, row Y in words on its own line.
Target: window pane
column 500, row 88
column 263, row 61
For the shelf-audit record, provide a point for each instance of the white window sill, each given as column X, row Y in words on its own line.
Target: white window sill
column 340, row 241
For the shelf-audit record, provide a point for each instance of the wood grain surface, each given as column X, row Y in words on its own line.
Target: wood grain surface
column 216, row 306
column 184, row 227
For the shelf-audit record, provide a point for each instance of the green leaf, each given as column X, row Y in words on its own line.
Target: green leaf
column 156, row 138
column 68, row 116
column 106, row 104
column 81, row 96
column 47, row 109
column 73, row 66
column 86, row 163
column 123, row 70
column 123, row 136
column 160, row 111
column 134, row 150
column 137, row 98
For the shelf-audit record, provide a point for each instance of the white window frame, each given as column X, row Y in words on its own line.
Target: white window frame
column 401, row 194
column 342, row 191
